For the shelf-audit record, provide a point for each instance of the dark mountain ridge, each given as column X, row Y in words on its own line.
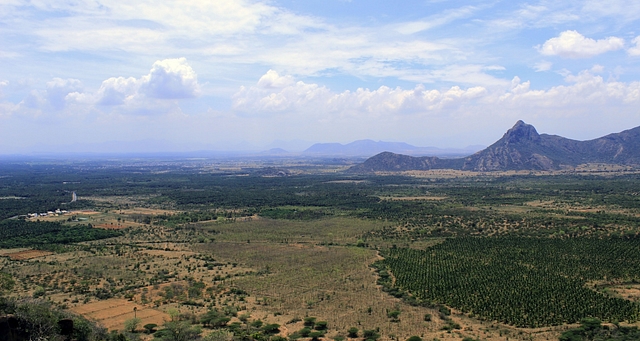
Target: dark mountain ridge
column 522, row 148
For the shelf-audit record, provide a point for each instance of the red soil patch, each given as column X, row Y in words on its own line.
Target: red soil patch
column 28, row 254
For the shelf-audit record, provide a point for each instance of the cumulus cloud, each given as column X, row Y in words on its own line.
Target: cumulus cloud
column 571, row 44
column 167, row 81
column 170, row 79
column 289, row 95
column 55, row 96
column 635, row 50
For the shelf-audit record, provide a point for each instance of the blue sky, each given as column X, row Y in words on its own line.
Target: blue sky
column 226, row 75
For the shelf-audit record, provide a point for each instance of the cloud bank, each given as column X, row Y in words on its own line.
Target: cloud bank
column 571, row 44
column 168, row 79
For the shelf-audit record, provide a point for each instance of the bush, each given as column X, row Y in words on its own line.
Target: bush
column 309, row 321
column 352, row 332
column 149, row 327
column 304, row 332
column 321, row 325
column 370, row 335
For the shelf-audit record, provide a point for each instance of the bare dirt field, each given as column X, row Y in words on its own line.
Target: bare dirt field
column 4, row 252
column 112, row 313
column 27, row 254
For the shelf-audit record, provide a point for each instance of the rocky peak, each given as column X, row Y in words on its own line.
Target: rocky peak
column 521, row 132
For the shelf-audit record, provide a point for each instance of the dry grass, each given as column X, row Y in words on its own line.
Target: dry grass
column 290, row 269
column 336, row 284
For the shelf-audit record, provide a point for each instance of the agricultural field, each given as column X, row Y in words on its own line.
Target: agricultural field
column 298, row 250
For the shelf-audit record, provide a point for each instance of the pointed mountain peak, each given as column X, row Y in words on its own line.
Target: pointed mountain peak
column 521, row 132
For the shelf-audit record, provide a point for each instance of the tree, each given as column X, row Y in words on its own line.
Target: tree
column 370, row 335
column 309, row 321
column 6, row 282
column 219, row 335
column 321, row 325
column 352, row 332
column 214, row 319
column 149, row 327
column 131, row 325
column 393, row 315
column 305, row 331
column 316, row 335
column 271, row 328
column 180, row 331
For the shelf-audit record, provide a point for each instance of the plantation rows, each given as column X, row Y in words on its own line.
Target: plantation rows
column 526, row 282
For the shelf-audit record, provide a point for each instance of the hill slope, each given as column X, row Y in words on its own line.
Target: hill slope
column 522, row 148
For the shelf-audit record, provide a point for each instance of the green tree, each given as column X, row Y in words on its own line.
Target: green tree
column 131, row 325
column 370, row 335
column 6, row 282
column 271, row 328
column 214, row 319
column 393, row 315
column 316, row 335
column 180, row 331
column 219, row 335
column 321, row 325
column 309, row 321
column 149, row 327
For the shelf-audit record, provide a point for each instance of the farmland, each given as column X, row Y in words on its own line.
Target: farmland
column 317, row 253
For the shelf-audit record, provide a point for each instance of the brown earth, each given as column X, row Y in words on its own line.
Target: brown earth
column 27, row 254
column 113, row 313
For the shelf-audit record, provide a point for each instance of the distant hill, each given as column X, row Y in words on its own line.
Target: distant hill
column 370, row 147
column 522, row 148
column 275, row 152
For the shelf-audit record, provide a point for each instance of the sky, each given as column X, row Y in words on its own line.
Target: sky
column 96, row 75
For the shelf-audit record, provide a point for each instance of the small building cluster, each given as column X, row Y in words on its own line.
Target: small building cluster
column 55, row 213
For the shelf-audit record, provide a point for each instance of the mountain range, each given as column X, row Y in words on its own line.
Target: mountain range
column 522, row 148
column 369, row 147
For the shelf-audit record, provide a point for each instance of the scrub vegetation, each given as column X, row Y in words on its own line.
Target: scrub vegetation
column 183, row 250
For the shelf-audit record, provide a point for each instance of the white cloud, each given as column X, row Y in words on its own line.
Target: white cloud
column 170, row 79
column 436, row 20
column 571, row 44
column 543, row 66
column 115, row 91
column 167, row 81
column 635, row 50
column 272, row 79
column 584, row 91
column 54, row 97
column 299, row 96
column 2, row 85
